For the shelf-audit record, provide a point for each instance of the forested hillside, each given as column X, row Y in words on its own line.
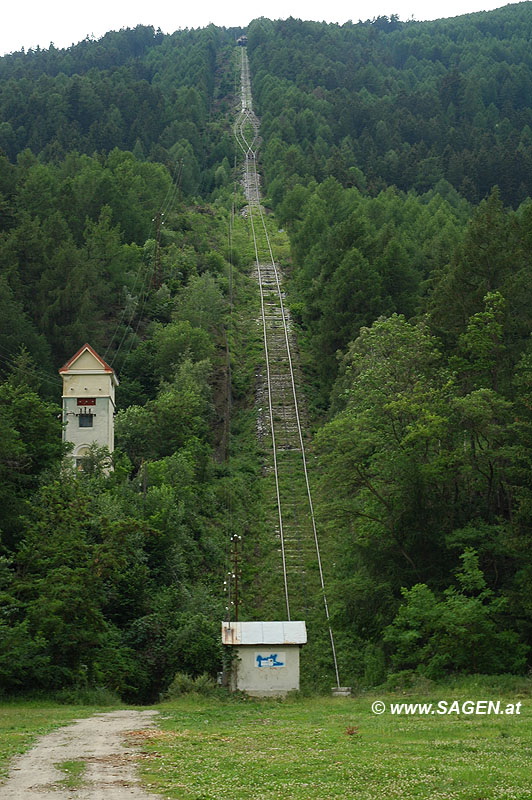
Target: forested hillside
column 405, row 104
column 135, row 90
column 116, row 581
column 439, row 110
column 398, row 158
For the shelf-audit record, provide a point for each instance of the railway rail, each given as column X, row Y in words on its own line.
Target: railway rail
column 296, row 524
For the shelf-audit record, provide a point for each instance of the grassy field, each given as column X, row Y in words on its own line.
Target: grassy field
column 319, row 748
column 322, row 748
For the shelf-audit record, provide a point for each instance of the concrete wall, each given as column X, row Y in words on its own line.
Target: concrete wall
column 88, row 385
column 266, row 671
column 88, row 393
column 102, row 431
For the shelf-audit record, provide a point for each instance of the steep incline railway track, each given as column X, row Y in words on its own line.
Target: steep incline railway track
column 296, row 531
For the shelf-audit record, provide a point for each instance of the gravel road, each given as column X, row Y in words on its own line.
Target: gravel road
column 98, row 743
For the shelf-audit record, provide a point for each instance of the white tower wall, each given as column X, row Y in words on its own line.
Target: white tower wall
column 89, row 385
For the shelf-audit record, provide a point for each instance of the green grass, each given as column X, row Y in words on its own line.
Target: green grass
column 74, row 774
column 323, row 748
column 317, row 748
column 21, row 722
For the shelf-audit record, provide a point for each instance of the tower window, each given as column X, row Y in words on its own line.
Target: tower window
column 85, row 420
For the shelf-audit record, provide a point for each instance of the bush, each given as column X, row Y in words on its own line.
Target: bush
column 374, row 665
column 86, row 696
column 465, row 631
column 184, row 684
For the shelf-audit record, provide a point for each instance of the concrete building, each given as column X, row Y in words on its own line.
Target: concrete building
column 267, row 656
column 89, row 385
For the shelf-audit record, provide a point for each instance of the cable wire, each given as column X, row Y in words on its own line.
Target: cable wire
column 251, row 156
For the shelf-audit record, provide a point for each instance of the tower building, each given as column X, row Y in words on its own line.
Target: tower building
column 89, row 385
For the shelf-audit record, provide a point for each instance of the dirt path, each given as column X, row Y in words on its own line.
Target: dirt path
column 108, row 766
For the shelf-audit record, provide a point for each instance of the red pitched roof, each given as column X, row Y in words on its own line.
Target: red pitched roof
column 81, row 350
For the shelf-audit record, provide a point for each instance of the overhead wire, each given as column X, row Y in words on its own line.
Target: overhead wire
column 144, row 296
column 42, row 374
column 250, row 156
column 229, row 497
column 168, row 204
column 247, row 148
column 166, row 207
column 145, row 286
column 124, row 311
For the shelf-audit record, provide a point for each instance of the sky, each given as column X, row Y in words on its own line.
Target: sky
column 35, row 22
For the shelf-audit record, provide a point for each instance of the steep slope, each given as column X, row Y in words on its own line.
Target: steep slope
column 288, row 570
column 416, row 105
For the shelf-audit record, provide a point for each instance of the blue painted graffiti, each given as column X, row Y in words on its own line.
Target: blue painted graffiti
column 269, row 661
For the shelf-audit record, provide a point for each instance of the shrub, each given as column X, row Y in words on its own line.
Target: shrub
column 184, row 684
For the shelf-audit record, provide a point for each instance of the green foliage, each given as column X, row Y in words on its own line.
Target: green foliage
column 136, row 90
column 384, row 102
column 24, row 660
column 413, row 306
column 414, row 467
column 74, row 774
column 202, row 303
column 30, row 444
column 374, row 665
column 87, row 696
column 183, row 684
column 69, row 570
column 177, row 415
column 356, row 258
column 461, row 632
column 176, row 342
column 18, row 334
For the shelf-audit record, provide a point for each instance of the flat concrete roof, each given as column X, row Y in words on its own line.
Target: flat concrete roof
column 271, row 632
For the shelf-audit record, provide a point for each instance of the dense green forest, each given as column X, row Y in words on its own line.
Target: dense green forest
column 406, row 104
column 398, row 157
column 116, row 581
